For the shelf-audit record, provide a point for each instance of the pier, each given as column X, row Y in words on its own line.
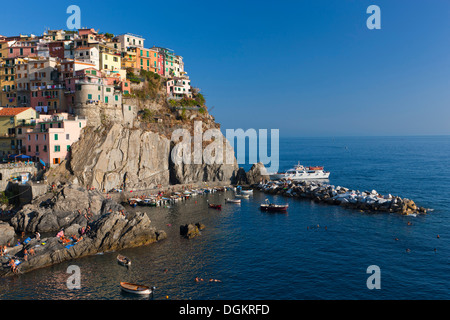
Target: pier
column 367, row 201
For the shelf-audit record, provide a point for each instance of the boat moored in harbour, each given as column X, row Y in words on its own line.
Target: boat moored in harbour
column 300, row 172
column 233, row 200
column 274, row 207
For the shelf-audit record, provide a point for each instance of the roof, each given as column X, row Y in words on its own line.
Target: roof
column 9, row 112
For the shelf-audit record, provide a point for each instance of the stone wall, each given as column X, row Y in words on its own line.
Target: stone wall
column 9, row 170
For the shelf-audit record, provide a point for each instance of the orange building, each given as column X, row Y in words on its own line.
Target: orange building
column 147, row 59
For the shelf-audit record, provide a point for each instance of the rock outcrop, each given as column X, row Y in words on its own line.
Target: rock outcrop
column 191, row 230
column 68, row 206
column 115, row 156
column 257, row 174
column 112, row 231
column 6, row 233
column 102, row 225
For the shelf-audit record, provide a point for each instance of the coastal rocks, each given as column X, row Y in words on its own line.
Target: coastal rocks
column 190, row 230
column 213, row 167
column 6, row 233
column 257, row 173
column 114, row 155
column 241, row 176
column 112, row 231
column 68, row 206
column 370, row 201
column 108, row 157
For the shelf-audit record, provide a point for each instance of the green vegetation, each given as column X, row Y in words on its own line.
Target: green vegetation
column 200, row 99
column 147, row 115
column 3, row 198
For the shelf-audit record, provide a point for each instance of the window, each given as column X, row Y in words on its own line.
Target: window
column 37, row 148
column 68, row 147
column 29, row 148
column 37, row 137
column 56, row 136
column 29, row 137
column 57, row 148
column 90, row 96
column 67, row 136
column 116, row 97
column 45, row 148
column 55, row 160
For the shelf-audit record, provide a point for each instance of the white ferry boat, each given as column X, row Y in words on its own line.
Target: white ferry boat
column 300, row 172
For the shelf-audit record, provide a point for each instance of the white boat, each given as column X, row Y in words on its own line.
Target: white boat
column 300, row 172
column 250, row 191
column 233, row 200
column 242, row 195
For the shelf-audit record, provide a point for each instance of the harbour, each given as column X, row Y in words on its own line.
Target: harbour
column 314, row 251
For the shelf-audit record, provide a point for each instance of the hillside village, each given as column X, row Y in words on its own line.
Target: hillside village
column 52, row 86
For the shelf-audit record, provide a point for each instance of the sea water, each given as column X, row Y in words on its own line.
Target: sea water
column 314, row 251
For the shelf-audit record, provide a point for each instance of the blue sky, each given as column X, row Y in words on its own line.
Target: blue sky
column 308, row 68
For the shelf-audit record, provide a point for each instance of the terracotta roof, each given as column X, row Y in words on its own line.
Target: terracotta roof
column 12, row 111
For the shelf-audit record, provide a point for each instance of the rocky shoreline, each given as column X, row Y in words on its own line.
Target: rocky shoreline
column 90, row 223
column 366, row 201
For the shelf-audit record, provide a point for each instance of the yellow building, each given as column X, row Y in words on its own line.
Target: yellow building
column 8, row 81
column 110, row 59
column 9, row 119
column 129, row 58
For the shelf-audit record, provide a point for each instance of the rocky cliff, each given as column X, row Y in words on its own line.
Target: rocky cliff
column 73, row 209
column 132, row 148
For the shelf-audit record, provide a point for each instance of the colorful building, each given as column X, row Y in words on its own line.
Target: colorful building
column 110, row 59
column 130, row 40
column 8, row 81
column 178, row 88
column 10, row 118
column 51, row 138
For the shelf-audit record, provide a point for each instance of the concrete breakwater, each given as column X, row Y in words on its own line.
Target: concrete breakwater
column 370, row 201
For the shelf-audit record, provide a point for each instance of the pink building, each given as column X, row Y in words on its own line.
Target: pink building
column 51, row 138
column 22, row 49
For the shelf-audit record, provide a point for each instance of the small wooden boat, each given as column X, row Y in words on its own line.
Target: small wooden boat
column 135, row 288
column 233, row 200
column 274, row 207
column 124, row 261
column 249, row 191
column 215, row 206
